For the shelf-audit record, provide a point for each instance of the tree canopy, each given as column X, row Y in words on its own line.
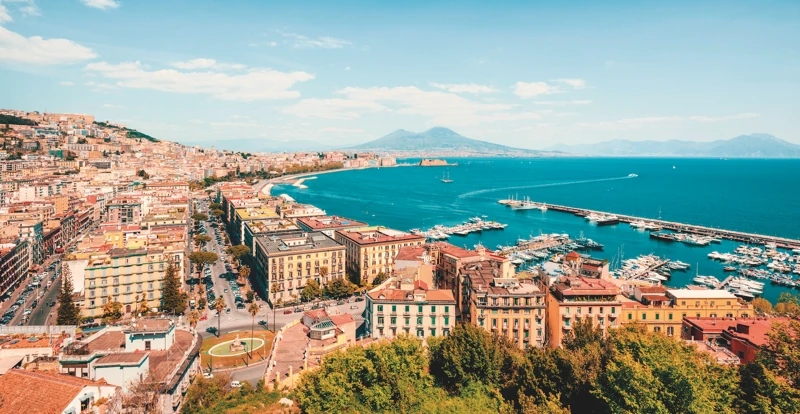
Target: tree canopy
column 238, row 251
column 339, row 288
column 311, row 291
column 201, row 259
column 173, row 299
column 68, row 311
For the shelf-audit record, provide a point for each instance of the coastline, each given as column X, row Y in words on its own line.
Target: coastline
column 287, row 179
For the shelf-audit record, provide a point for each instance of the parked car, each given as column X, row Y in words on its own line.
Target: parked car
column 353, row 306
column 227, row 310
column 262, row 322
column 288, row 311
column 235, row 384
column 211, row 330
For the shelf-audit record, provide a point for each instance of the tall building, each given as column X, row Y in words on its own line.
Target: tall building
column 508, row 306
column 407, row 306
column 371, row 250
column 286, row 261
column 15, row 260
column 587, row 299
column 125, row 276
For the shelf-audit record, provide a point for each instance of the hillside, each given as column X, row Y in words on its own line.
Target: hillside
column 15, row 120
column 743, row 146
column 438, row 139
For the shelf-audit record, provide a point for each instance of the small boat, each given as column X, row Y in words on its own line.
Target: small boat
column 446, row 178
column 729, row 268
column 660, row 235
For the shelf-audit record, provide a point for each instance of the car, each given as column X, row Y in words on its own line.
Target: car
column 236, row 384
column 204, row 318
column 359, row 299
column 225, row 290
column 227, row 310
column 288, row 311
column 208, row 375
column 240, row 305
column 262, row 322
column 211, row 330
column 341, row 302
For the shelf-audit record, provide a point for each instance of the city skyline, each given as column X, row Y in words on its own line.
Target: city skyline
column 528, row 76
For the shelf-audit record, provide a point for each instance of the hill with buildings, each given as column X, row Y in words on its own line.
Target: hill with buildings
column 743, row 146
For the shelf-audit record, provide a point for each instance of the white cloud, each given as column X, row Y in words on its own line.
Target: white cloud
column 5, row 16
column 100, row 87
column 272, row 44
column 464, row 87
column 337, row 130
column 35, row 50
column 206, row 64
column 66, row 83
column 101, row 4
column 575, row 83
column 24, row 7
column 563, row 103
column 255, row 84
column 347, row 68
column 534, row 89
column 324, row 42
column 332, row 108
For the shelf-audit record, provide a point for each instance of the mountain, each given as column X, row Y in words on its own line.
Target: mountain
column 262, row 145
column 437, row 139
column 743, row 146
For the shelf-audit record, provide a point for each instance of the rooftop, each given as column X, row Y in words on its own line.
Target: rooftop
column 37, row 392
column 122, row 358
column 329, row 223
column 150, row 325
column 584, row 286
column 700, row 294
column 378, row 235
column 295, row 241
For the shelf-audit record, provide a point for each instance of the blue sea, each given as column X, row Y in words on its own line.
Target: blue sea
column 758, row 196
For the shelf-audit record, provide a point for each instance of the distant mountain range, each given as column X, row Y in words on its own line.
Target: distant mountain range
column 753, row 146
column 438, row 139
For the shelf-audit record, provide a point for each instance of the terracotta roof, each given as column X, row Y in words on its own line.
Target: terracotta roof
column 162, row 363
column 112, row 340
column 410, row 253
column 653, row 289
column 753, row 330
column 342, row 319
column 329, row 222
column 316, row 313
column 657, row 298
column 573, row 256
column 151, row 325
column 122, row 358
column 38, row 392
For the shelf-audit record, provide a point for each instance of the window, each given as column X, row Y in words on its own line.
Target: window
column 419, row 320
column 380, row 321
column 446, row 321
column 394, row 321
column 613, row 310
column 566, row 322
column 408, row 321
column 433, row 309
column 433, row 332
column 407, row 310
column 670, row 331
column 494, row 323
column 433, row 320
column 644, row 316
column 657, row 329
column 669, row 316
column 419, row 309
column 420, row 333
column 630, row 316
column 712, row 303
column 394, row 308
column 658, row 316
column 146, row 345
column 380, row 308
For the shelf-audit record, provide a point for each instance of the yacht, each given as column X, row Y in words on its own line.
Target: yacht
column 729, row 269
column 638, row 224
column 633, row 175
column 446, row 178
column 660, row 235
column 607, row 220
column 652, row 227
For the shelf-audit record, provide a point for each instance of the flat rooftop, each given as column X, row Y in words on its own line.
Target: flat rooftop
column 700, row 294
column 378, row 235
column 296, row 241
column 329, row 223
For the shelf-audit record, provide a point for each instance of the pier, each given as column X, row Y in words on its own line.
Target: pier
column 737, row 236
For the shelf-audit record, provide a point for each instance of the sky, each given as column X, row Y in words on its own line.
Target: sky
column 529, row 74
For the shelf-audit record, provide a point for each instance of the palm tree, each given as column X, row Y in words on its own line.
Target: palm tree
column 274, row 288
column 219, row 305
column 194, row 317
column 253, row 309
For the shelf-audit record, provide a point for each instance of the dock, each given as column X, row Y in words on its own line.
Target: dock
column 738, row 236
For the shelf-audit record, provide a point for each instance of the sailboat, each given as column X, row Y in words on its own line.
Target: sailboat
column 446, row 178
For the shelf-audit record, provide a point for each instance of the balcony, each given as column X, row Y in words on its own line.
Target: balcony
column 481, row 316
column 432, row 313
column 566, row 316
column 406, row 313
column 566, row 327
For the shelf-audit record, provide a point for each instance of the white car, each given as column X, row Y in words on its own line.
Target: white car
column 236, row 384
column 208, row 375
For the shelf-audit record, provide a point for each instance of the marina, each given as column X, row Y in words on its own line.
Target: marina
column 473, row 225
column 682, row 232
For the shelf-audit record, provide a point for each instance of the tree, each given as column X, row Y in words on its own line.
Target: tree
column 582, row 334
column 253, row 311
column 244, row 273
column 217, row 213
column 323, row 271
column 143, row 174
column 764, row 392
column 205, row 393
column 201, row 303
column 788, row 305
column 198, row 217
column 193, row 318
column 762, row 306
column 250, row 296
column 201, row 240
column 202, row 259
column 112, row 310
column 144, row 307
column 781, row 354
column 380, row 278
column 238, row 251
column 215, row 206
column 274, row 289
column 339, row 288
column 311, row 291
column 68, row 312
column 173, row 300
column 219, row 306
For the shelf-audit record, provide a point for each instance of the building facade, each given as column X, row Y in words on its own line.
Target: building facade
column 409, row 307
column 371, row 250
column 574, row 298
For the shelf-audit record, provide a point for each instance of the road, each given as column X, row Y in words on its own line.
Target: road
column 43, row 294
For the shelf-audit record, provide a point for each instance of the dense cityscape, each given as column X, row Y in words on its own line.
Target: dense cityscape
column 157, row 277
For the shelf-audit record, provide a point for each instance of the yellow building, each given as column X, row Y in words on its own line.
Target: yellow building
column 581, row 298
column 286, row 261
column 125, row 276
column 406, row 306
column 662, row 310
column 371, row 250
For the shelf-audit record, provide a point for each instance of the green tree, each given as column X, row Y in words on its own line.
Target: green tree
column 201, row 259
column 238, row 251
column 217, row 213
column 204, row 393
column 144, row 307
column 201, row 240
column 112, row 310
column 762, row 306
column 788, row 305
column 219, row 306
column 339, row 288
column 173, row 299
column 380, row 278
column 253, row 311
column 201, row 303
column 193, row 318
column 250, row 296
column 215, row 206
column 198, row 217
column 781, row 354
column 68, row 312
column 311, row 291
column 765, row 392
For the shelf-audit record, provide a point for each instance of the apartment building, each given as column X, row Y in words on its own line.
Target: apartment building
column 744, row 337
column 124, row 210
column 662, row 310
column 125, row 276
column 371, row 250
column 286, row 261
column 587, row 299
column 407, row 306
column 508, row 306
column 15, row 260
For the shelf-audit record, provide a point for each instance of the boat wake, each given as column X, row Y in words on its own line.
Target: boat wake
column 525, row 187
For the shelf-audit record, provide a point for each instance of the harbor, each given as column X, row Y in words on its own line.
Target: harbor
column 473, row 225
column 681, row 232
